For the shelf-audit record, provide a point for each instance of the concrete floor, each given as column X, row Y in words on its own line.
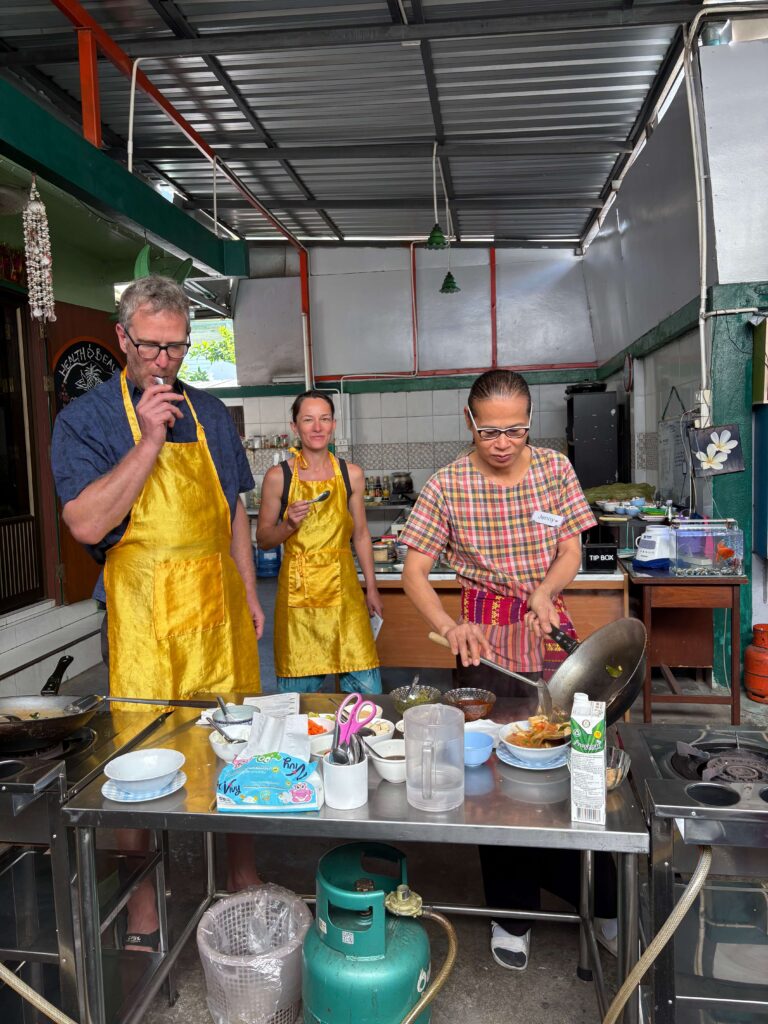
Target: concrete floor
column 478, row 991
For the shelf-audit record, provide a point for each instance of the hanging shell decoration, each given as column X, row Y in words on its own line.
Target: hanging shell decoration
column 37, row 248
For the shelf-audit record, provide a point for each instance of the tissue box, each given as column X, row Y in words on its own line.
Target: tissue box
column 269, row 783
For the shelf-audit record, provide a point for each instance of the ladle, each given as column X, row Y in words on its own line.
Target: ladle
column 545, row 698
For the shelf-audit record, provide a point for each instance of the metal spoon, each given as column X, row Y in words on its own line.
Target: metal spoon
column 383, row 757
column 320, row 497
column 223, row 708
column 224, row 733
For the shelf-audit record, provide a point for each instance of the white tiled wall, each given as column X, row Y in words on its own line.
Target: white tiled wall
column 674, row 366
column 418, row 431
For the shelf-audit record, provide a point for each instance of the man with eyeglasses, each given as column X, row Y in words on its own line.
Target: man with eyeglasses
column 149, row 475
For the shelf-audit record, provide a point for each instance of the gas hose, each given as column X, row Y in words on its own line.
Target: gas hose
column 28, row 993
column 663, row 935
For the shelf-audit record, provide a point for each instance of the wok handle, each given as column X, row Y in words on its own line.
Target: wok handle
column 562, row 639
column 51, row 688
column 437, row 639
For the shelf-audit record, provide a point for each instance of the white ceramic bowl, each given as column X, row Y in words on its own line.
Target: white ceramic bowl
column 382, row 728
column 400, row 726
column 228, row 751
column 143, row 771
column 322, row 741
column 235, row 713
column 392, row 771
column 530, row 755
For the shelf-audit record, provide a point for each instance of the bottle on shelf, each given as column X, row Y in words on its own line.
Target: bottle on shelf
column 386, row 489
column 367, row 491
column 378, row 491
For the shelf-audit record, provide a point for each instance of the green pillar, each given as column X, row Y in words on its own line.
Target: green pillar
column 731, row 375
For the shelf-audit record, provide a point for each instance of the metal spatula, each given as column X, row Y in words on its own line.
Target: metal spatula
column 545, row 698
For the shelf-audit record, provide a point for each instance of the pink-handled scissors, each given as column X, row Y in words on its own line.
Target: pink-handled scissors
column 359, row 713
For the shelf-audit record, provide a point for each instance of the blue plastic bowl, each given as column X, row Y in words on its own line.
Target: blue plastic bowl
column 477, row 748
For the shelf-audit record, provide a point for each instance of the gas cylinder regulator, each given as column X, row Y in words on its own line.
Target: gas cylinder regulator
column 404, row 902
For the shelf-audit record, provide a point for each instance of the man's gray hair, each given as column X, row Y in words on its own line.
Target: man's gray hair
column 159, row 294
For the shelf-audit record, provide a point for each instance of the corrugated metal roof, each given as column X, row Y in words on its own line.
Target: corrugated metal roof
column 559, row 87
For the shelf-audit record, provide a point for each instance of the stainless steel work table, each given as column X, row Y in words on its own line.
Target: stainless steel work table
column 503, row 806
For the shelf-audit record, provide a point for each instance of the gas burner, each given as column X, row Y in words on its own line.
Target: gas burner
column 736, row 766
column 721, row 762
column 79, row 742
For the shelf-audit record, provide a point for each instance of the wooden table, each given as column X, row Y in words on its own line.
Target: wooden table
column 677, row 613
column 403, row 643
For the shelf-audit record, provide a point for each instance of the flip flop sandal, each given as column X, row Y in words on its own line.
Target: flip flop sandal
column 151, row 939
column 509, row 951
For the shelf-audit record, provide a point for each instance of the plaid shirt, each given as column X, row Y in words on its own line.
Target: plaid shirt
column 486, row 533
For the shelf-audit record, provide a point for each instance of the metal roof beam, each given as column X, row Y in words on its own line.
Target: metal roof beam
column 177, row 22
column 437, row 120
column 397, row 150
column 576, row 202
column 223, row 43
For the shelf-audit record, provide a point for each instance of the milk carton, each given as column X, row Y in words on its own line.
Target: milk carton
column 588, row 760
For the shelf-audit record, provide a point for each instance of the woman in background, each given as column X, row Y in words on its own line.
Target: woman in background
column 322, row 622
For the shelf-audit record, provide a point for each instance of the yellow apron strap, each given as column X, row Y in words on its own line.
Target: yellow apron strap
column 130, row 412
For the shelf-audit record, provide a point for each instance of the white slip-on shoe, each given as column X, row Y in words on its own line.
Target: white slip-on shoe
column 510, row 951
column 607, row 934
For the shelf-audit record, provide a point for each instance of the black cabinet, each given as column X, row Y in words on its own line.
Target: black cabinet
column 592, row 432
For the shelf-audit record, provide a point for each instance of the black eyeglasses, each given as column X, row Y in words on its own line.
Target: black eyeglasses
column 150, row 350
column 491, row 433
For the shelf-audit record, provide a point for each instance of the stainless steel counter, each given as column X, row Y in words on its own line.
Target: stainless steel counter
column 503, row 806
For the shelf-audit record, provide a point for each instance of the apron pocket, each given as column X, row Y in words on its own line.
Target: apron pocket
column 314, row 580
column 188, row 596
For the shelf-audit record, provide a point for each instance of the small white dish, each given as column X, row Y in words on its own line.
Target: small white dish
column 382, row 728
column 400, row 727
column 228, row 751
column 392, row 771
column 113, row 792
column 504, row 755
column 144, row 771
column 321, row 741
column 236, row 714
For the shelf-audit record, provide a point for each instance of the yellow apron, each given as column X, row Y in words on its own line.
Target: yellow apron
column 321, row 619
column 178, row 619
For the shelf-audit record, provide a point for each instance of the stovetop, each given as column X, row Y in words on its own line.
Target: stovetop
column 722, row 781
column 83, row 754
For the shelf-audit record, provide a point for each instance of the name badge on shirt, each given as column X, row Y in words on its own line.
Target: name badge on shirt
column 547, row 519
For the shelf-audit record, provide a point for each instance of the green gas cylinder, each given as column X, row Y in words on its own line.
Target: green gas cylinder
column 361, row 964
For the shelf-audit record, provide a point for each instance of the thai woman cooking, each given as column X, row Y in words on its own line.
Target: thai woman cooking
column 508, row 519
column 313, row 505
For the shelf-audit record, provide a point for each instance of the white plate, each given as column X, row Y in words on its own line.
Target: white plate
column 112, row 792
column 505, row 757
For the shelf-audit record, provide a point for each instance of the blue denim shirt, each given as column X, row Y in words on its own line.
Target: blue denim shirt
column 91, row 435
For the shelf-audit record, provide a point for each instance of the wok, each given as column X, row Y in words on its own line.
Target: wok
column 60, row 716
column 608, row 666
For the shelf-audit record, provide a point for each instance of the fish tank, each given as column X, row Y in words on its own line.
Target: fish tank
column 714, row 548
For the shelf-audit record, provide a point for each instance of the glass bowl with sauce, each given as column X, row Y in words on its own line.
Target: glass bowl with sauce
column 473, row 702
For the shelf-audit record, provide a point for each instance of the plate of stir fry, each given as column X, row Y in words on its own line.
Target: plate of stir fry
column 536, row 738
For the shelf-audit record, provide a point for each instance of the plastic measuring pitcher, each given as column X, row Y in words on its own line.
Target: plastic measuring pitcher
column 434, row 757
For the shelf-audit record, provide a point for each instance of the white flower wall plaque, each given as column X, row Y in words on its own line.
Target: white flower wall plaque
column 716, row 450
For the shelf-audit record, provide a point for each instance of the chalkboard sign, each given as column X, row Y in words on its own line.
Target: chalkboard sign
column 84, row 364
column 674, row 459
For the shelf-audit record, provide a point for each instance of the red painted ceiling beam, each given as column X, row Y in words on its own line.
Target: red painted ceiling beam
column 81, row 19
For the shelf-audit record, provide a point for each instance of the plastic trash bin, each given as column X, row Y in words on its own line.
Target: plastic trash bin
column 250, row 947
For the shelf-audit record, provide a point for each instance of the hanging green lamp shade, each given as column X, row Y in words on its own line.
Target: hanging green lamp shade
column 449, row 286
column 436, row 238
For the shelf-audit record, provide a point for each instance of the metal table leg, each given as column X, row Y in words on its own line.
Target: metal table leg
column 662, row 904
column 586, row 902
column 88, row 892
column 629, row 930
